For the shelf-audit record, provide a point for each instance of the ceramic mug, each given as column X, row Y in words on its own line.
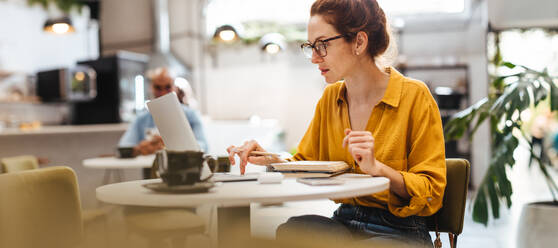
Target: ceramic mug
column 125, row 152
column 182, row 167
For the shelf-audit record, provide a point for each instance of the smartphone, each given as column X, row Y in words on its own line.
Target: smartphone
column 320, row 181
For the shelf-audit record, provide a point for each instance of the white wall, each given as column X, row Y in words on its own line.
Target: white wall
column 24, row 47
column 247, row 82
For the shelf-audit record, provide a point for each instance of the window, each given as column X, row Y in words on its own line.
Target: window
column 414, row 7
column 221, row 12
column 534, row 48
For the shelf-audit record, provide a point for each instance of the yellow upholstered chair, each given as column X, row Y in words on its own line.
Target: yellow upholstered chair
column 450, row 217
column 40, row 208
column 19, row 163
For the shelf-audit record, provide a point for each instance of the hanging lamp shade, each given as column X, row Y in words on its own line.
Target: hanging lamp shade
column 62, row 25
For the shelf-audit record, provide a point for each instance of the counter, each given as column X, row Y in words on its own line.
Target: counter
column 69, row 145
column 66, row 129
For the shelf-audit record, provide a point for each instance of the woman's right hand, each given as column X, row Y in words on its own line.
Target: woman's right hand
column 244, row 151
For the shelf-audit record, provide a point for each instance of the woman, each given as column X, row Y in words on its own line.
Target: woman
column 378, row 121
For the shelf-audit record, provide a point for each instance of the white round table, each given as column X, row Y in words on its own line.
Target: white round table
column 238, row 193
column 234, row 198
column 116, row 165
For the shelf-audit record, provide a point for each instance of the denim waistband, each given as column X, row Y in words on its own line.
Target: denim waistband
column 378, row 216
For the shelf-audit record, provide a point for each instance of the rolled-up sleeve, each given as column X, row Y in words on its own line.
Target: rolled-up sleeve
column 425, row 178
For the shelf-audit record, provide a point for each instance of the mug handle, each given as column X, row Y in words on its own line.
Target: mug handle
column 161, row 163
column 208, row 158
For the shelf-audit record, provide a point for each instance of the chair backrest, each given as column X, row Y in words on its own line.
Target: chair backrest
column 19, row 163
column 40, row 208
column 450, row 217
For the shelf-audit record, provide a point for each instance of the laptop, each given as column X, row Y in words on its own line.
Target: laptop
column 177, row 134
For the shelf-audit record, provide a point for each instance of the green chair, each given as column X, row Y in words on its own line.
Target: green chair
column 40, row 208
column 450, row 217
column 19, row 163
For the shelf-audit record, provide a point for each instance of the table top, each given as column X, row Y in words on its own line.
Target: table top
column 119, row 163
column 238, row 193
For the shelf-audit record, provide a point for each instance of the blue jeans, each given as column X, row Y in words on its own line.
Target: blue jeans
column 360, row 224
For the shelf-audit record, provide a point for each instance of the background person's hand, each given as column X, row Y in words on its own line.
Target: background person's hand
column 150, row 146
column 361, row 146
column 243, row 153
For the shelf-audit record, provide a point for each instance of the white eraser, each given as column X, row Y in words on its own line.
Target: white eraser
column 270, row 177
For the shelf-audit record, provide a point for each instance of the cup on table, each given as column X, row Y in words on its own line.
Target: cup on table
column 125, row 152
column 223, row 164
column 182, row 167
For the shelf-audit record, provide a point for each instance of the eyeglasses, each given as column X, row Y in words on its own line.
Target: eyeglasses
column 320, row 46
column 162, row 87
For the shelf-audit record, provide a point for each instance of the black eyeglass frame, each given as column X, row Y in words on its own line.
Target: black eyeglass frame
column 324, row 41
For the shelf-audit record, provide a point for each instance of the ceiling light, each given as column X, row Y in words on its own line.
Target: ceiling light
column 226, row 33
column 272, row 43
column 61, row 25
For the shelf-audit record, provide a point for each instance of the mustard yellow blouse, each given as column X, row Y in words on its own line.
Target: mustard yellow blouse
column 407, row 130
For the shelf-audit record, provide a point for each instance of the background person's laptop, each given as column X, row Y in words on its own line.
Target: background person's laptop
column 177, row 134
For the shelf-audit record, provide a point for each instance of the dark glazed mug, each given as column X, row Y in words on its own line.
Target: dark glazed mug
column 182, row 167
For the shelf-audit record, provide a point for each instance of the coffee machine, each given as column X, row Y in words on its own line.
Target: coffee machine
column 121, row 89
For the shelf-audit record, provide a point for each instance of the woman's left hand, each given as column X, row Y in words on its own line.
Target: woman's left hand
column 361, row 147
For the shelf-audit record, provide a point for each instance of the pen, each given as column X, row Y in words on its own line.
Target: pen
column 258, row 153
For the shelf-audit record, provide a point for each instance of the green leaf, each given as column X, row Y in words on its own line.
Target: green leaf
column 480, row 208
column 508, row 64
column 553, row 96
column 460, row 122
column 504, row 184
column 494, row 202
column 64, row 5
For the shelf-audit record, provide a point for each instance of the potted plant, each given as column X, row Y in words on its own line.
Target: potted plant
column 64, row 5
column 518, row 89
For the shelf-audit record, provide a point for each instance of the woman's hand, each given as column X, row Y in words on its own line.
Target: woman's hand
column 361, row 147
column 243, row 153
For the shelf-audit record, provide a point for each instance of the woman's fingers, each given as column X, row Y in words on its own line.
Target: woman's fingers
column 248, row 147
column 232, row 151
column 356, row 136
column 260, row 160
column 360, row 139
column 360, row 154
column 243, row 153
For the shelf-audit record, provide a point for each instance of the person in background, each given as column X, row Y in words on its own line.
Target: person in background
column 142, row 133
column 375, row 119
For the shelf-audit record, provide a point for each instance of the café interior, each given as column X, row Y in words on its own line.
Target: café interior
column 76, row 74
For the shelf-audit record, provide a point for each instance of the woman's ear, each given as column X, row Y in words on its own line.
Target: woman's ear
column 361, row 43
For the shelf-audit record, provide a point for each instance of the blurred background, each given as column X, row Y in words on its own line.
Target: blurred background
column 73, row 72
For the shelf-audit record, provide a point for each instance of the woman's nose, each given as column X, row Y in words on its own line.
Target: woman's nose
column 316, row 58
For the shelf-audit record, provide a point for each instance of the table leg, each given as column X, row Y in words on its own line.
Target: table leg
column 233, row 226
column 106, row 178
column 146, row 173
column 120, row 175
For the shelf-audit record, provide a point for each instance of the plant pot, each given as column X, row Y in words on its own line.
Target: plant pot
column 538, row 225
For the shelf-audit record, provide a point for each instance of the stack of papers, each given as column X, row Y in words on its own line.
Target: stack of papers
column 311, row 168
